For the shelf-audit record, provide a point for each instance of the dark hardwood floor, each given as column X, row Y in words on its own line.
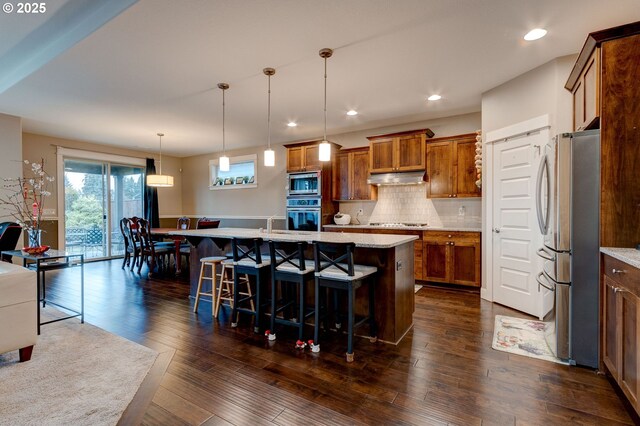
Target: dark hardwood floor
column 443, row 372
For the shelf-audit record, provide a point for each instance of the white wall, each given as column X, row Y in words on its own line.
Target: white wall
column 11, row 158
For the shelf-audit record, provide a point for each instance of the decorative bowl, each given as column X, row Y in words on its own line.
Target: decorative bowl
column 342, row 219
column 36, row 250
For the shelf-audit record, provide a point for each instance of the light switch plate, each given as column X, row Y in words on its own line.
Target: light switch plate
column 49, row 212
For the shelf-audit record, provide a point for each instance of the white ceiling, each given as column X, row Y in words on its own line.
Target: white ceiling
column 155, row 66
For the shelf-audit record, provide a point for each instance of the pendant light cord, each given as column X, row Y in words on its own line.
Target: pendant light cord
column 223, row 144
column 269, row 115
column 160, row 154
column 325, row 98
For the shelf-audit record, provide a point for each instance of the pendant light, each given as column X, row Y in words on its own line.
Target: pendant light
column 325, row 147
column 160, row 180
column 269, row 155
column 224, row 160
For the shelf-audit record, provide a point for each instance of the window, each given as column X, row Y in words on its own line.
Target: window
column 242, row 173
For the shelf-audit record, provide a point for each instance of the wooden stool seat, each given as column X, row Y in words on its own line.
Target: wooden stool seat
column 212, row 261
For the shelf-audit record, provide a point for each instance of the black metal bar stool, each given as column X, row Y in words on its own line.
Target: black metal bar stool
column 335, row 271
column 247, row 259
column 290, row 273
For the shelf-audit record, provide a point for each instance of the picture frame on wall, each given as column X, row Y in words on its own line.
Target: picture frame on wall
column 239, row 180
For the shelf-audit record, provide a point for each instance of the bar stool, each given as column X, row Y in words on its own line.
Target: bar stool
column 332, row 275
column 247, row 259
column 212, row 261
column 288, row 266
column 225, row 290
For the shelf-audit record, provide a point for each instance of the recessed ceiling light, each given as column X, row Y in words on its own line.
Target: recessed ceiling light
column 352, row 112
column 535, row 34
column 434, row 98
column 292, row 124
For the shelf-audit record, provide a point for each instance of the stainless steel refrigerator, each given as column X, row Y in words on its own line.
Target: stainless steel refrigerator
column 568, row 208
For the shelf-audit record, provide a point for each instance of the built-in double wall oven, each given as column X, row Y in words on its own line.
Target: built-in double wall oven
column 304, row 213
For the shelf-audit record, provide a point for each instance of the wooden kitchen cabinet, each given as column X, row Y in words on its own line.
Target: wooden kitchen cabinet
column 451, row 169
column 452, row 257
column 304, row 157
column 398, row 152
column 620, row 320
column 351, row 172
column 586, row 93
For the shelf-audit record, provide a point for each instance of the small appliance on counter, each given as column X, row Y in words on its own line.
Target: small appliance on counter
column 342, row 218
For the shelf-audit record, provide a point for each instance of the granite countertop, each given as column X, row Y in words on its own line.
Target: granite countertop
column 630, row 256
column 465, row 227
column 361, row 240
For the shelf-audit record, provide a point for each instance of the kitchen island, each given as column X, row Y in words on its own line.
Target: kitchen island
column 391, row 254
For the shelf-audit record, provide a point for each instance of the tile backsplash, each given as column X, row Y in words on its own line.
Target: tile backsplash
column 409, row 204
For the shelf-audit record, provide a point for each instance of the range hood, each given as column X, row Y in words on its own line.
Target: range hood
column 405, row 178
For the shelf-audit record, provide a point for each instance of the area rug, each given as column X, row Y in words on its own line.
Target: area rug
column 523, row 337
column 78, row 374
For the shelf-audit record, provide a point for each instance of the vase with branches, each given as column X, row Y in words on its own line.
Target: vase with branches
column 24, row 197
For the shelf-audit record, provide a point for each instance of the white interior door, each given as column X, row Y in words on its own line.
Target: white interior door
column 514, row 222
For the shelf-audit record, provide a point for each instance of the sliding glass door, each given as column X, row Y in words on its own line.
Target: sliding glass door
column 97, row 195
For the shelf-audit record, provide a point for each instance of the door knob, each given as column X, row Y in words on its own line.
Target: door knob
column 496, row 230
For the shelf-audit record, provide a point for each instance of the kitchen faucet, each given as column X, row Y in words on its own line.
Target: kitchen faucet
column 270, row 224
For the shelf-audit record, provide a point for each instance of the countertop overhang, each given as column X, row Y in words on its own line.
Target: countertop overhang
column 381, row 241
column 446, row 227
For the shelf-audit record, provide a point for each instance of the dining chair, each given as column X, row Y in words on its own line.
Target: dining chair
column 206, row 223
column 151, row 253
column 336, row 272
column 183, row 223
column 126, row 238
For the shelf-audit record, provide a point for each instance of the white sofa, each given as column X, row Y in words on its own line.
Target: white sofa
column 18, row 293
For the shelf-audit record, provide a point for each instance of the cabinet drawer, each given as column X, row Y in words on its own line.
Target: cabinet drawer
column 629, row 278
column 451, row 235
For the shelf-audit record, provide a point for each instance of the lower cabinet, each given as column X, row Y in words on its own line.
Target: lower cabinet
column 452, row 257
column 620, row 307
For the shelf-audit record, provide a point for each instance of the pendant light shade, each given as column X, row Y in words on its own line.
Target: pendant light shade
column 324, row 151
column 224, row 160
column 160, row 180
column 269, row 154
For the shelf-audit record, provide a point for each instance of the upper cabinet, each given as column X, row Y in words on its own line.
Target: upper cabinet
column 303, row 158
column 350, row 175
column 586, row 94
column 451, row 169
column 398, row 152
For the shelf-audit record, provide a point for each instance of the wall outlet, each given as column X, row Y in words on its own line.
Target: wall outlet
column 399, row 265
column 360, row 211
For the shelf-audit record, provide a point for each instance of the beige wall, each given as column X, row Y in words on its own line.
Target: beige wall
column 35, row 147
column 537, row 92
column 269, row 197
column 11, row 158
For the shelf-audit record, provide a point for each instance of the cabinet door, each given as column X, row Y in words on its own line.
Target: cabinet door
column 628, row 345
column 341, row 172
column 610, row 326
column 381, row 156
column 465, row 169
column 418, row 260
column 360, row 189
column 440, row 170
column 590, row 92
column 578, row 106
column 436, row 261
column 410, row 153
column 312, row 158
column 465, row 263
column 295, row 159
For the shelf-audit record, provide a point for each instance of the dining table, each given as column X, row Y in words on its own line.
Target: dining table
column 177, row 241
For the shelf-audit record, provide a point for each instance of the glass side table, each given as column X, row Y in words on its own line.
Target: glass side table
column 49, row 261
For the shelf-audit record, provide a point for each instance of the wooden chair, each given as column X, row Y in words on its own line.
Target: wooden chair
column 335, row 271
column 226, row 286
column 183, row 223
column 211, row 261
column 290, row 273
column 149, row 252
column 206, row 223
column 247, row 259
column 125, row 230
column 134, row 240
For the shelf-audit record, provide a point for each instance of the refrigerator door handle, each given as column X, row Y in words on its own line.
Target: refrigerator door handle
column 543, row 253
column 543, row 171
column 540, row 283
